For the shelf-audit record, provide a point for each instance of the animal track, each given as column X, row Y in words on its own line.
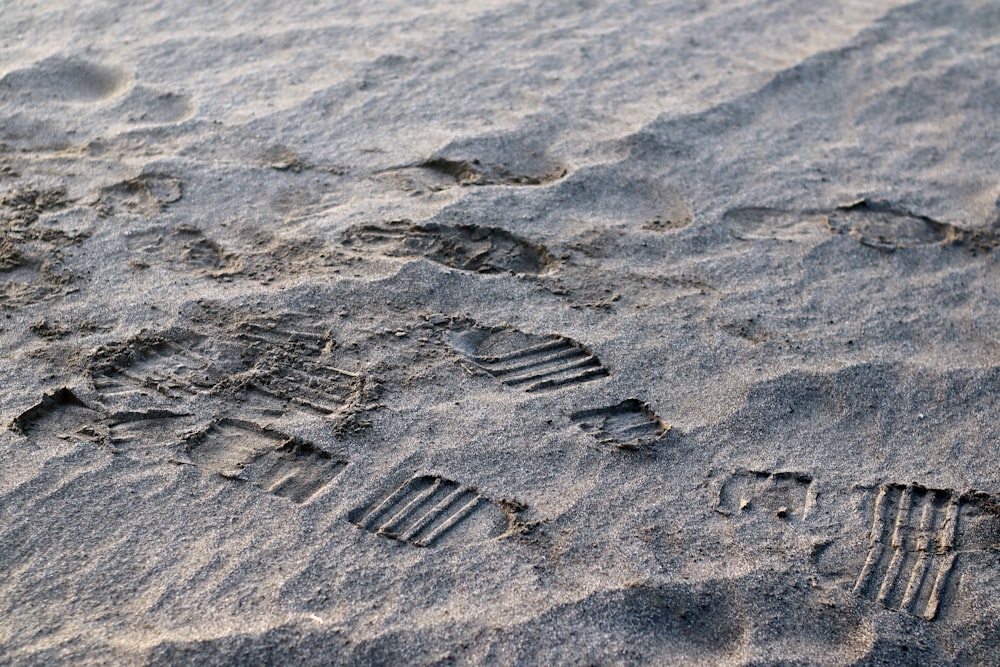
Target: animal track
column 630, row 424
column 529, row 361
column 466, row 247
column 280, row 465
column 917, row 534
column 784, row 495
column 427, row 508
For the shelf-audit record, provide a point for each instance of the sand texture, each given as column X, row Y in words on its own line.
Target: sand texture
column 580, row 333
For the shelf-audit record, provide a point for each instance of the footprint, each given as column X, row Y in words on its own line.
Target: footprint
column 879, row 225
column 11, row 256
column 62, row 79
column 290, row 333
column 144, row 195
column 183, row 248
column 283, row 466
column 292, row 367
column 29, row 279
column 148, row 106
column 630, row 424
column 296, row 471
column 474, row 172
column 466, row 247
column 786, row 496
column 172, row 368
column 60, row 415
column 30, row 261
column 774, row 224
column 872, row 223
column 280, row 465
column 315, row 387
column 530, row 362
column 264, row 366
column 426, row 509
column 916, row 537
column 21, row 208
column 145, row 431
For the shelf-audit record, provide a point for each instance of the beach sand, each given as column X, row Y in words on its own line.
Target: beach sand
column 491, row 333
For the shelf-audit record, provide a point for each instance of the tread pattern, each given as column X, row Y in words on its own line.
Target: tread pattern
column 420, row 511
column 283, row 466
column 911, row 550
column 630, row 424
column 529, row 361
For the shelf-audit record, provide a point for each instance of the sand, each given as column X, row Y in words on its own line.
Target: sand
column 491, row 333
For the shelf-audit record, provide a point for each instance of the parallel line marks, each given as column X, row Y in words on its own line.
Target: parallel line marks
column 419, row 511
column 921, row 540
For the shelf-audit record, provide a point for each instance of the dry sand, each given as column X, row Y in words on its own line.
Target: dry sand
column 490, row 333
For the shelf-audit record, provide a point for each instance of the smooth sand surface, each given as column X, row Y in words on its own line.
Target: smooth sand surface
column 491, row 333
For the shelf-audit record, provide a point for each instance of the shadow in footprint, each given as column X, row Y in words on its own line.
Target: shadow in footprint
column 643, row 625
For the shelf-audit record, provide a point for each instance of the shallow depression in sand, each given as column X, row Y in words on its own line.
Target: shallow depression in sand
column 63, row 79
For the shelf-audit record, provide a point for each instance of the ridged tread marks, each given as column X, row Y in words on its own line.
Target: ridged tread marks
column 911, row 549
column 421, row 511
column 172, row 368
column 288, row 365
column 630, row 424
column 531, row 362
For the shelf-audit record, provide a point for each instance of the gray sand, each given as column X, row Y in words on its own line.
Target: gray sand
column 585, row 334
